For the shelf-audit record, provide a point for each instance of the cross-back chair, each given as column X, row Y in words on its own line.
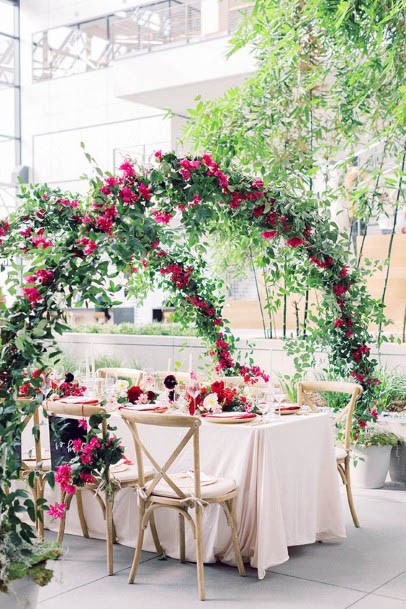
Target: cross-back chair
column 118, row 480
column 167, row 490
column 39, row 465
column 343, row 453
column 129, row 374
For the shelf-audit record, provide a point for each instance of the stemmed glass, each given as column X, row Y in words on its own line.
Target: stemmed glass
column 279, row 397
column 262, row 404
column 193, row 389
column 46, row 385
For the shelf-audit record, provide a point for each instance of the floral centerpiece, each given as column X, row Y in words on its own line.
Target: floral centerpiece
column 217, row 398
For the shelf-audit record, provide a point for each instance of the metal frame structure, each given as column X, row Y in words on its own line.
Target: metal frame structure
column 10, row 78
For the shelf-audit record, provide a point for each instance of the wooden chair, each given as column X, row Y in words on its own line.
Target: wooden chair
column 165, row 490
column 38, row 465
column 343, row 453
column 119, row 480
column 129, row 374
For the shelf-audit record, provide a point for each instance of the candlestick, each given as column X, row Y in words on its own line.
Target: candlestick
column 190, row 363
column 169, row 364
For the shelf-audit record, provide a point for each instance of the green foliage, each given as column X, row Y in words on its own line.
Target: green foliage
column 373, row 435
column 154, row 329
column 392, row 391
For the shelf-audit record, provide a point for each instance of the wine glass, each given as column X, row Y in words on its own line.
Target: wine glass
column 109, row 384
column 279, row 397
column 193, row 389
column 148, row 379
column 46, row 385
column 262, row 404
column 271, row 397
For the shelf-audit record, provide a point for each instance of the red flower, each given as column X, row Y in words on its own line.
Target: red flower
column 340, row 288
column 258, row 211
column 338, row 323
column 32, row 295
column 158, row 155
column 294, row 242
column 344, row 272
column 145, row 192
column 162, row 217
column 269, row 234
column 89, row 245
column 134, row 393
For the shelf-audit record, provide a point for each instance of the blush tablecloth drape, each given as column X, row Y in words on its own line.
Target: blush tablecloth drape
column 288, row 489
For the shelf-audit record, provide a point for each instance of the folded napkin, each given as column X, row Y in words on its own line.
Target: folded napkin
column 231, row 415
column 291, row 407
column 78, row 400
column 144, row 407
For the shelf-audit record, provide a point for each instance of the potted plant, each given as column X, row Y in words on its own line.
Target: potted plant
column 23, row 569
column 371, row 456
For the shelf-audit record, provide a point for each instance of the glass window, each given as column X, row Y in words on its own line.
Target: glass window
column 7, row 159
column 7, row 113
column 8, row 51
column 7, row 11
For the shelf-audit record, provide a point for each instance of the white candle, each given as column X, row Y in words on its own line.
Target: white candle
column 190, row 363
column 169, row 364
column 87, row 364
column 93, row 365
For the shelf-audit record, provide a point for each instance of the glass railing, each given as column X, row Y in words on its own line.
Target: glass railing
column 95, row 44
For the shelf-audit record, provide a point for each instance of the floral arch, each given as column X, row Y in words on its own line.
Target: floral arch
column 69, row 245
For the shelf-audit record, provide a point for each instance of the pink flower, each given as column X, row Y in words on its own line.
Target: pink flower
column 269, row 234
column 32, row 295
column 39, row 240
column 44, row 276
column 338, row 323
column 185, row 173
column 128, row 196
column 195, row 201
column 105, row 190
column 63, row 474
column 82, row 423
column 339, row 289
column 77, row 445
column 344, row 272
column 89, row 245
column 158, row 155
column 145, row 192
column 26, row 232
column 94, row 443
column 257, row 184
column 162, row 217
column 57, row 511
column 294, row 242
column 105, row 224
column 128, row 169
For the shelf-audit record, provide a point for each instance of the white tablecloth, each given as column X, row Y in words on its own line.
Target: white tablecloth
column 288, row 489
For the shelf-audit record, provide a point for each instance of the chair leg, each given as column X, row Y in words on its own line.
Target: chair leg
column 157, row 543
column 349, row 493
column 82, row 519
column 199, row 553
column 109, row 535
column 138, row 548
column 62, row 523
column 236, row 541
column 182, row 539
column 40, row 495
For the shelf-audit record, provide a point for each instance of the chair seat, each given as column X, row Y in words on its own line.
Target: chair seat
column 130, row 474
column 222, row 486
column 341, row 453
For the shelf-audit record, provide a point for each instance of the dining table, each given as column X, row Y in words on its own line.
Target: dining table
column 286, row 473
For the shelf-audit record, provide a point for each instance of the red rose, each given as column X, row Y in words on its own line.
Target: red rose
column 151, row 395
column 218, row 387
column 134, row 393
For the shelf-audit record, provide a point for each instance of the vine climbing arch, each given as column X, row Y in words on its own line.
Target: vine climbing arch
column 125, row 231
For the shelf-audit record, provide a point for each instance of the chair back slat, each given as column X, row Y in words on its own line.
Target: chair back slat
column 129, row 374
column 192, row 424
column 353, row 389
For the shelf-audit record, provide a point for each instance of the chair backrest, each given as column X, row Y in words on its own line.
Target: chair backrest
column 352, row 389
column 129, row 374
column 189, row 423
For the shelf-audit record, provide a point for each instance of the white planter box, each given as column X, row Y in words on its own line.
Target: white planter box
column 372, row 466
column 22, row 594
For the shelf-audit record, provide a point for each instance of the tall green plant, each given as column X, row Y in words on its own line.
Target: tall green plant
column 327, row 90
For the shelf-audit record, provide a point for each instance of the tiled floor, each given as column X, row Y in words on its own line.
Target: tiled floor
column 366, row 571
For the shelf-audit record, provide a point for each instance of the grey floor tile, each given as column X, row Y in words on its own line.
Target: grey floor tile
column 172, row 585
column 369, row 557
column 83, row 561
column 395, row 588
column 373, row 601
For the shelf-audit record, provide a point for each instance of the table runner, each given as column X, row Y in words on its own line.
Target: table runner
column 288, row 489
